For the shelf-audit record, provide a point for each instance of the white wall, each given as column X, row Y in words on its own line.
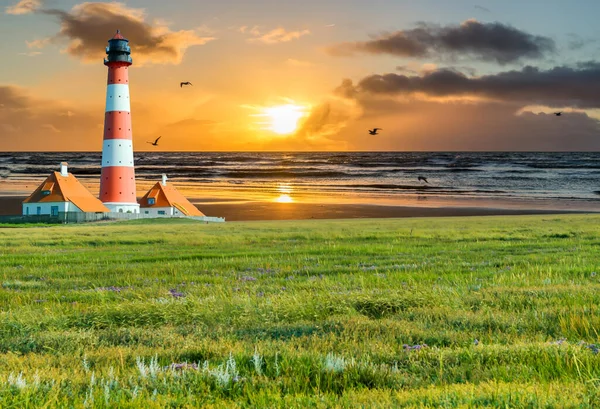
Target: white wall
column 153, row 211
column 46, row 208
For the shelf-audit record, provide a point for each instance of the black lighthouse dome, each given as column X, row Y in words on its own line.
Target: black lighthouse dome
column 118, row 50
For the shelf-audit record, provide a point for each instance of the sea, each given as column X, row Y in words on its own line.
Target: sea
column 501, row 179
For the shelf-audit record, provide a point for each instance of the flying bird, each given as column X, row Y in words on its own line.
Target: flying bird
column 181, row 84
column 422, row 178
column 155, row 143
column 374, row 131
column 558, row 113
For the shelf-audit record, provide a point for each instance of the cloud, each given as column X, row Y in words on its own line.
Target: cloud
column 325, row 121
column 577, row 86
column 484, row 41
column 481, row 8
column 88, row 26
column 298, row 63
column 24, row 7
column 275, row 36
column 31, row 53
column 39, row 124
column 576, row 42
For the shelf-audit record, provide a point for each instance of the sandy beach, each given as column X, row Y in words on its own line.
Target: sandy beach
column 259, row 210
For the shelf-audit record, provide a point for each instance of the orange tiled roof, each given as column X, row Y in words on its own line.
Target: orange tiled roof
column 66, row 189
column 168, row 196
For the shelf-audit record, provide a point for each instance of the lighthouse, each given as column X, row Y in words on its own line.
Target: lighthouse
column 117, row 183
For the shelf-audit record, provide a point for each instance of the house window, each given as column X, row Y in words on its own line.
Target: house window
column 54, row 210
column 45, row 192
column 161, row 212
column 39, row 210
column 151, row 201
column 146, row 212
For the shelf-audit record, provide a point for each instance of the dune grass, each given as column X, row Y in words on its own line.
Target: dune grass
column 456, row 312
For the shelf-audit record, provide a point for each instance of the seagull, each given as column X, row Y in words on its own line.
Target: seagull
column 558, row 113
column 374, row 131
column 181, row 84
column 155, row 143
column 422, row 178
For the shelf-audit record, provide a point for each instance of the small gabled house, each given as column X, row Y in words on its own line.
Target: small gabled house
column 163, row 200
column 62, row 192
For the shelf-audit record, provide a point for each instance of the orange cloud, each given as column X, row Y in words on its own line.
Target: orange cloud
column 88, row 26
column 24, row 7
column 275, row 36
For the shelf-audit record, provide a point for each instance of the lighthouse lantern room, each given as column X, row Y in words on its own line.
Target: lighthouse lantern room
column 117, row 183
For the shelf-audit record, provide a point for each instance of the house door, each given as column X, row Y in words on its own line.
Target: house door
column 54, row 211
column 39, row 210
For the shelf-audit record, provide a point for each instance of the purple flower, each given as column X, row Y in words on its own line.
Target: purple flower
column 176, row 293
column 248, row 278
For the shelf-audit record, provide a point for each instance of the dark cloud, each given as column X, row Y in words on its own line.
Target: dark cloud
column 576, row 42
column 485, row 41
column 88, row 26
column 560, row 86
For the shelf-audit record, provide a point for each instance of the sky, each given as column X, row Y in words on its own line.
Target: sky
column 311, row 75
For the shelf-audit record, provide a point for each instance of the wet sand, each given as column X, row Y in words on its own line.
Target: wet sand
column 239, row 211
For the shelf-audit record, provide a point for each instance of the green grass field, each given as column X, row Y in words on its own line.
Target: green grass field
column 469, row 312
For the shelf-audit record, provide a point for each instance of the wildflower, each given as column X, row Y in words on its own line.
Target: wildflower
column 248, row 278
column 417, row 347
column 257, row 361
column 334, row 363
column 176, row 293
column 182, row 366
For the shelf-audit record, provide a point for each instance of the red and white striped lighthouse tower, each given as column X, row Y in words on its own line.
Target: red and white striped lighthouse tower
column 117, row 183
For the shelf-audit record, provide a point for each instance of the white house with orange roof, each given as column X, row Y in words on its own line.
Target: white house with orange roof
column 165, row 200
column 61, row 192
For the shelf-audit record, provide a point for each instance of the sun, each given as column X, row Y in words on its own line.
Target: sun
column 284, row 199
column 283, row 119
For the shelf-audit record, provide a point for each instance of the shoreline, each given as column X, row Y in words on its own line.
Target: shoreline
column 262, row 210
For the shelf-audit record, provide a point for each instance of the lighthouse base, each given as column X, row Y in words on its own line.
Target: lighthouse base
column 123, row 207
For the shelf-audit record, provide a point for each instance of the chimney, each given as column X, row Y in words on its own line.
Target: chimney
column 63, row 169
column 164, row 180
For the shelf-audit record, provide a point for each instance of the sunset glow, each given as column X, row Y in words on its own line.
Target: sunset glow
column 304, row 77
column 283, row 119
column 284, row 199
